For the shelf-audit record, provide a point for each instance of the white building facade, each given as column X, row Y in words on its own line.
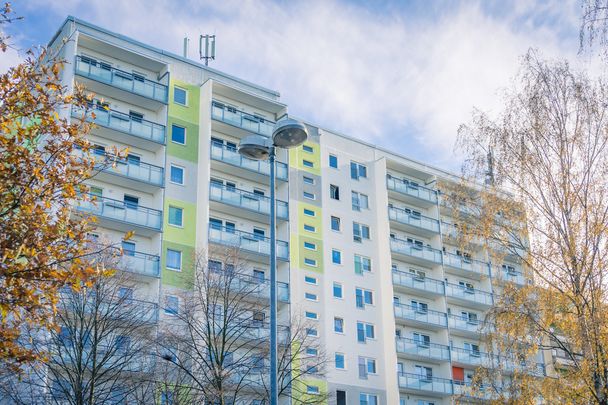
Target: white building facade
column 366, row 250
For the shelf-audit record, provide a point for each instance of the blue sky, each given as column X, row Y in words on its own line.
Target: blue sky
column 401, row 74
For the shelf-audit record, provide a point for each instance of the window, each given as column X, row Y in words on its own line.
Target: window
column 509, row 269
column 308, row 148
column 177, row 175
column 362, row 264
column 310, row 262
column 360, row 232
column 310, row 280
column 312, row 332
column 131, row 201
column 309, row 213
column 340, row 397
column 334, row 192
column 335, row 223
column 365, row 331
column 311, row 389
column 180, row 96
column 357, row 171
column 337, row 290
column 310, row 296
column 359, row 201
column 312, row 315
column 307, row 163
column 370, row 366
column 470, row 317
column 467, row 287
column 368, row 399
column 166, row 398
column 338, row 325
column 336, row 256
column 174, row 260
column 125, row 293
column 172, row 305
column 176, row 216
column 308, row 195
column 333, row 161
column 259, row 234
column 421, row 340
column 339, row 361
column 178, row 134
column 308, row 180
column 425, row 373
column 420, row 307
column 473, row 349
column 309, row 228
column 310, row 246
column 128, row 248
column 259, row 275
column 363, row 297
column 311, row 351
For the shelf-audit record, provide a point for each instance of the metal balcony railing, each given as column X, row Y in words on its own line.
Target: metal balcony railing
column 248, row 242
column 124, row 123
column 418, row 314
column 466, row 264
column 469, row 294
column 409, row 189
column 470, row 325
column 228, row 155
column 241, row 119
column 131, row 169
column 425, row 383
column 472, row 357
column 130, row 82
column 415, row 250
column 140, row 263
column 117, row 210
column 422, row 349
column 418, row 221
column 246, row 200
column 418, row 282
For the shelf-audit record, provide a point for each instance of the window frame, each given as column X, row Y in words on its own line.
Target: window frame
column 173, row 125
column 183, row 170
column 175, row 88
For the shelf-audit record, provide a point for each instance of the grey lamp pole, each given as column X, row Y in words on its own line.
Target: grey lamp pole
column 287, row 134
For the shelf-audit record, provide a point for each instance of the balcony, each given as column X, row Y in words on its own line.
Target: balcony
column 409, row 222
column 464, row 295
column 412, row 281
column 419, row 316
column 475, row 394
column 468, row 327
column 233, row 161
column 453, row 234
column 234, row 201
column 248, row 242
column 467, row 357
column 131, row 87
column 122, row 216
column 425, row 384
column 409, row 192
column 510, row 276
column 124, row 128
column 252, row 286
column 128, row 173
column 465, row 266
column 240, row 119
column 140, row 263
column 416, row 253
column 425, row 351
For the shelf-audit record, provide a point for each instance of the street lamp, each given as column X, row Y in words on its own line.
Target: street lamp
column 287, row 134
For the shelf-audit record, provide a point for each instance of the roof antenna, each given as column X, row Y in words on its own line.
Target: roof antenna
column 490, row 171
column 209, row 48
column 186, row 41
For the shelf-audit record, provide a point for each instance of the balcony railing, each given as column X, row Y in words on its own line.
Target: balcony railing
column 248, row 242
column 466, row 389
column 261, row 331
column 122, row 122
column 139, row 171
column 425, row 383
column 417, row 282
column 418, row 314
column 245, row 285
column 409, row 189
column 246, row 200
column 418, row 221
column 117, row 210
column 422, row 349
column 516, row 277
column 230, row 156
column 140, row 263
column 466, row 264
column 470, row 325
column 414, row 250
column 241, row 119
column 471, row 357
column 130, row 82
column 468, row 294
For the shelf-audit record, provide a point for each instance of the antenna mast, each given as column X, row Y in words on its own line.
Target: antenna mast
column 209, row 49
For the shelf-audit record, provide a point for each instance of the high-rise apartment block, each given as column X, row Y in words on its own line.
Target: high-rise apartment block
column 365, row 249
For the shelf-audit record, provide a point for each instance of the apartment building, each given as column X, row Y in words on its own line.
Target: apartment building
column 366, row 250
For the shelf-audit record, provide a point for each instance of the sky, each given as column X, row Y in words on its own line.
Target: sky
column 400, row 74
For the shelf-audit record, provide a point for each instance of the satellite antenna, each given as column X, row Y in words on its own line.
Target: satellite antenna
column 209, row 50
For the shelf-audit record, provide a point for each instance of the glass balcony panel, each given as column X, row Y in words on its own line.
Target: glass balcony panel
column 411, row 249
column 140, row 263
column 247, row 241
column 469, row 294
column 424, row 383
column 241, row 119
column 416, row 281
column 471, row 325
column 472, row 357
column 117, row 210
column 419, row 221
column 417, row 314
column 121, row 79
column 422, row 349
column 231, row 156
column 463, row 263
column 247, row 200
column 420, row 192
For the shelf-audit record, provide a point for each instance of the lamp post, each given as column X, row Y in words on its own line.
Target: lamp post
column 287, row 134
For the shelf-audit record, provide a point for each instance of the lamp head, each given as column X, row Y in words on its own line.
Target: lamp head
column 289, row 133
column 255, row 147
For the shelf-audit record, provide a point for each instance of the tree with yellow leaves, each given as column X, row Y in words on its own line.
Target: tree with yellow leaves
column 542, row 199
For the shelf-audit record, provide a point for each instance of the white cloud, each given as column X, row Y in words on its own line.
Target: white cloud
column 356, row 70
